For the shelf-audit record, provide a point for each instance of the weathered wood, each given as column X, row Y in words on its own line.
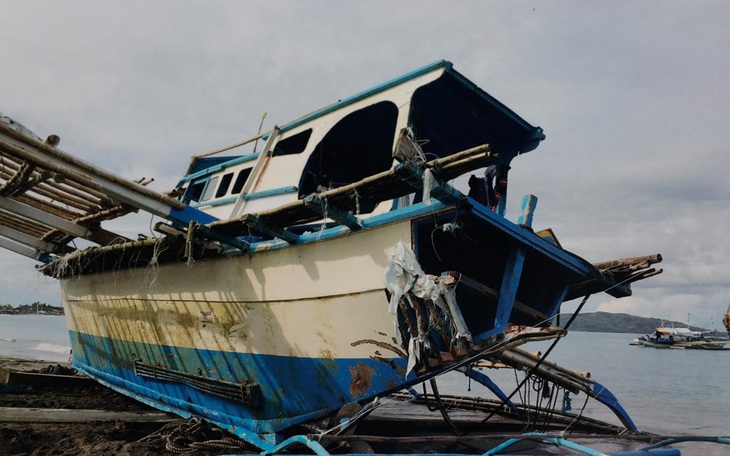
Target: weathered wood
column 43, row 415
column 631, row 264
column 46, row 380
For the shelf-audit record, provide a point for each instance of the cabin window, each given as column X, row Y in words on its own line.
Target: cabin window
column 194, row 191
column 225, row 183
column 358, row 146
column 292, row 145
column 209, row 189
column 240, row 181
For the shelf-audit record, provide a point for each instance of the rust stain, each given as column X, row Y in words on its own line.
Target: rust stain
column 399, row 370
column 361, row 377
column 395, row 349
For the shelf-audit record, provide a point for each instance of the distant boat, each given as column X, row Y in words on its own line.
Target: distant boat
column 680, row 338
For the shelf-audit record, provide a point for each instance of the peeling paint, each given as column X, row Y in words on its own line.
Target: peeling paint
column 361, row 377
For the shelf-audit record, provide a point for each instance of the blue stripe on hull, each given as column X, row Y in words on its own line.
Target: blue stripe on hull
column 293, row 389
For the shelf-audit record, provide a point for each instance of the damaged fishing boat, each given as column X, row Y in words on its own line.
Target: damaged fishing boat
column 296, row 285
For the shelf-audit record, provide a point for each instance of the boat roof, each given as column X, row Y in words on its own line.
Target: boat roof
column 466, row 108
column 449, row 73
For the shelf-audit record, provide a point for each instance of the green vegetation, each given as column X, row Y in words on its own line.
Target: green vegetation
column 35, row 308
column 619, row 323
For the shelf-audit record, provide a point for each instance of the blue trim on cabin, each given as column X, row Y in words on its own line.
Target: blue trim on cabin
column 226, row 164
column 441, row 64
column 216, row 202
column 202, row 163
column 271, row 192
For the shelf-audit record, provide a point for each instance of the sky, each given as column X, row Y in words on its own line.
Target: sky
column 633, row 97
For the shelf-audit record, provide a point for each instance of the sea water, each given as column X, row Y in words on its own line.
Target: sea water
column 664, row 391
column 669, row 392
column 41, row 337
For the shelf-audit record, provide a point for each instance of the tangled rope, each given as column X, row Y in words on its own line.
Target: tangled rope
column 194, row 435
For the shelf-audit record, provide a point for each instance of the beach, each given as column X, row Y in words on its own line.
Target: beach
column 118, row 437
column 70, row 438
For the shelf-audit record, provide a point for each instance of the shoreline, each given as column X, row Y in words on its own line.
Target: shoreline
column 44, row 314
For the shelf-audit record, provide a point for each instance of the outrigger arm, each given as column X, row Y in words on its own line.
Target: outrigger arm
column 50, row 197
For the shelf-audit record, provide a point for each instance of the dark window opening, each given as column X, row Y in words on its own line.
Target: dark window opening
column 194, row 192
column 240, row 181
column 293, row 144
column 358, row 146
column 209, row 189
column 447, row 117
column 225, row 183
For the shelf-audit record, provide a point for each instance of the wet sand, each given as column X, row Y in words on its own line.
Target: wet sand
column 88, row 438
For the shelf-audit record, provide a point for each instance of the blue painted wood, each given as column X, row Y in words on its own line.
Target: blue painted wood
column 218, row 167
column 510, row 285
column 557, row 302
column 314, row 386
column 527, row 206
column 484, row 380
column 217, row 202
column 271, row 192
column 604, row 396
column 523, row 237
column 322, row 206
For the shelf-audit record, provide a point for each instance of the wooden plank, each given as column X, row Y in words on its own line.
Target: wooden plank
column 46, row 380
column 43, row 415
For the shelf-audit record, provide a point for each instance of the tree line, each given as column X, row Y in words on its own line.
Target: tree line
column 35, row 308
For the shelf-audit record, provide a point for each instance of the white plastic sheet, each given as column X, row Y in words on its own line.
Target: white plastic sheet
column 403, row 275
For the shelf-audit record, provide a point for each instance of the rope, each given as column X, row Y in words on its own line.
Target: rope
column 189, row 243
column 193, row 436
column 540, row 361
column 439, row 406
column 577, row 417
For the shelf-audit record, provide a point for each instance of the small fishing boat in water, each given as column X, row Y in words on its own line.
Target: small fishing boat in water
column 680, row 338
column 290, row 291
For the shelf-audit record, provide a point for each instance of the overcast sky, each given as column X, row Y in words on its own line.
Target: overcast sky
column 633, row 97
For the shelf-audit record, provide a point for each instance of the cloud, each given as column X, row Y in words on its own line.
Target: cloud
column 632, row 96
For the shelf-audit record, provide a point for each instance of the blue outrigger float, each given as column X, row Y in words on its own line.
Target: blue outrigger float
column 298, row 295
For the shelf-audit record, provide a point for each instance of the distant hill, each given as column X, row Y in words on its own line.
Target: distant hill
column 618, row 323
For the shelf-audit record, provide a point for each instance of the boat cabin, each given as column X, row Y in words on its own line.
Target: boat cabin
column 358, row 137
